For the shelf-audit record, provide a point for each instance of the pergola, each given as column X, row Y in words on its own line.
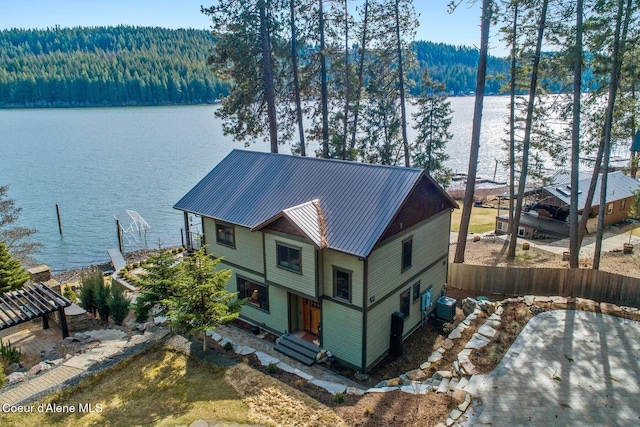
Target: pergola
column 32, row 301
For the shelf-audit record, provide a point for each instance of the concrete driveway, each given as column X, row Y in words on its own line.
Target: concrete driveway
column 566, row 368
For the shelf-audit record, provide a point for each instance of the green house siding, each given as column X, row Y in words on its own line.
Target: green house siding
column 303, row 283
column 248, row 250
column 344, row 262
column 342, row 332
column 277, row 318
column 379, row 316
column 430, row 243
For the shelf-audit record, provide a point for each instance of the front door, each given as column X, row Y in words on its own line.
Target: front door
column 311, row 316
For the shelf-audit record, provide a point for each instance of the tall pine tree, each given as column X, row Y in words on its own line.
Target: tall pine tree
column 12, row 275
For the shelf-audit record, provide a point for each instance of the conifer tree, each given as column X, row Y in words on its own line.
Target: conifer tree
column 432, row 121
column 12, row 275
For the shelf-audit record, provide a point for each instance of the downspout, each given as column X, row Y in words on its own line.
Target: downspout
column 365, row 297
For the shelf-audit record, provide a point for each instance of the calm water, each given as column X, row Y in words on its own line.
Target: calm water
column 95, row 163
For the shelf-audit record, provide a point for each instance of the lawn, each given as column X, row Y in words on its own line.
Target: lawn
column 482, row 219
column 165, row 387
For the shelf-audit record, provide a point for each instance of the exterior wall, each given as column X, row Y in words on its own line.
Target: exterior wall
column 248, row 252
column 330, row 259
column 386, row 280
column 342, row 332
column 277, row 318
column 430, row 242
column 303, row 283
column 379, row 316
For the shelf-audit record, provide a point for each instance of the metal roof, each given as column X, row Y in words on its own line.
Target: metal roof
column 563, row 177
column 619, row 186
column 357, row 200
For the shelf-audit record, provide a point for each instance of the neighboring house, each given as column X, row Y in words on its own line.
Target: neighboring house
column 548, row 207
column 330, row 247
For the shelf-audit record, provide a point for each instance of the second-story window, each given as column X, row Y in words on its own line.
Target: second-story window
column 289, row 258
column 407, row 249
column 225, row 235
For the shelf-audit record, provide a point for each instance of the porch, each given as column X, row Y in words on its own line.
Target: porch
column 532, row 221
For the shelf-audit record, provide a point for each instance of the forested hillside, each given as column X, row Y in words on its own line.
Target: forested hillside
column 94, row 66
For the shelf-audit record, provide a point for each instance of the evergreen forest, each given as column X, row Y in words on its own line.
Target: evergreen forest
column 125, row 65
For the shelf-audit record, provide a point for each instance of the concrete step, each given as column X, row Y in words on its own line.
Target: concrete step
column 297, row 349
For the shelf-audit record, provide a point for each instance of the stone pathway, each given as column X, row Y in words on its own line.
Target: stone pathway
column 566, row 368
column 112, row 342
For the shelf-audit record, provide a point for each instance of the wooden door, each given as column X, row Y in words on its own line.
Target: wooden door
column 311, row 316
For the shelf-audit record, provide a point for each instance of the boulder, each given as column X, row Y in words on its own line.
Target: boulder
column 448, row 343
column 469, row 305
column 416, row 375
column 393, row 382
column 435, row 356
column 15, row 377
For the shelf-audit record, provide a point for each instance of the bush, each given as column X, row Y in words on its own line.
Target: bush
column 339, row 398
column 272, row 368
column 9, row 354
column 118, row 306
column 103, row 293
column 89, row 291
column 228, row 345
column 69, row 294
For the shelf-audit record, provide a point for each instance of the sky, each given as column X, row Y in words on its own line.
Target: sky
column 436, row 24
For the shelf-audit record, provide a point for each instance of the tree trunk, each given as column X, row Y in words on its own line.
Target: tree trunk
column 296, row 78
column 475, row 133
column 401, row 88
column 345, row 122
column 270, row 91
column 363, row 44
column 574, row 248
column 512, row 118
column 618, row 51
column 511, row 252
column 324, row 95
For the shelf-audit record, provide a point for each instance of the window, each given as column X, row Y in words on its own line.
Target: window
column 623, row 204
column 342, row 284
column 502, row 226
column 416, row 291
column 225, row 235
column 405, row 302
column 521, row 231
column 289, row 258
column 257, row 295
column 609, row 208
column 407, row 249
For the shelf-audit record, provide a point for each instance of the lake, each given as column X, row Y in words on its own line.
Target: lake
column 95, row 163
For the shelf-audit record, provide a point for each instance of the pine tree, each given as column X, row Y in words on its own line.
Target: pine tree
column 12, row 275
column 202, row 302
column 432, row 121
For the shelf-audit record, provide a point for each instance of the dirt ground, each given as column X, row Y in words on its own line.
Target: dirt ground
column 492, row 251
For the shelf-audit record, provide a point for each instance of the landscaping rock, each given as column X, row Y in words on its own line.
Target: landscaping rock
column 487, row 331
column 442, row 374
column 448, row 343
column 416, row 388
column 303, row 375
column 468, row 368
column 453, row 384
column 462, row 384
column 607, row 308
column 456, row 366
column 245, row 350
column 15, row 377
column 464, row 354
column 404, row 379
column 444, row 386
column 82, row 337
column 381, row 389
column 393, row 382
column 469, row 305
column 360, row 376
column 425, row 366
column 463, row 406
column 355, row 391
column 265, row 359
column 455, row 334
column 455, row 414
column 542, row 299
column 450, row 422
column 495, row 317
column 416, row 375
column 459, row 395
column 159, row 320
column 331, row 387
column 286, row 368
column 528, row 299
column 435, row 356
column 477, row 341
column 199, row 423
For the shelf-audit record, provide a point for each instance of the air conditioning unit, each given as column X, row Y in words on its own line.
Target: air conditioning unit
column 446, row 308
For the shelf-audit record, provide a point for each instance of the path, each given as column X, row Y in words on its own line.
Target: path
column 566, row 368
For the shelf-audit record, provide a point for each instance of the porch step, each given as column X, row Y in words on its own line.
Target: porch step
column 298, row 349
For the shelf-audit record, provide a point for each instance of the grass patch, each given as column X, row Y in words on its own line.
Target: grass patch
column 482, row 219
column 165, row 387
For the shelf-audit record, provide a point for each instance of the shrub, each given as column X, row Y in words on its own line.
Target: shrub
column 69, row 294
column 228, row 345
column 339, row 398
column 272, row 368
column 9, row 354
column 103, row 293
column 118, row 306
column 89, row 291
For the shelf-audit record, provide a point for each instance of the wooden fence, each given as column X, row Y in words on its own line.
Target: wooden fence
column 567, row 282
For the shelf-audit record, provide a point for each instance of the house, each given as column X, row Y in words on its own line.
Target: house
column 548, row 207
column 330, row 247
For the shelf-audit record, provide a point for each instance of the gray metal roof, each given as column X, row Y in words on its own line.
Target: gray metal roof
column 619, row 186
column 357, row 200
column 563, row 177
